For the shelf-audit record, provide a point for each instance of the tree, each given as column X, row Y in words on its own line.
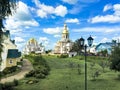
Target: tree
column 115, row 58
column 7, row 7
column 76, row 46
column 48, row 51
column 95, row 75
column 104, row 52
column 79, row 69
column 103, row 64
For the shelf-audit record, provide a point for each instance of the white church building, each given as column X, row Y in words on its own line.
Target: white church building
column 64, row 45
column 33, row 46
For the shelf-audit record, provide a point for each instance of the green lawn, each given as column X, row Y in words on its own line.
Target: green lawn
column 64, row 76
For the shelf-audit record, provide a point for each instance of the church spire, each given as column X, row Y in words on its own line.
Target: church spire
column 65, row 30
column 65, row 33
column 65, row 26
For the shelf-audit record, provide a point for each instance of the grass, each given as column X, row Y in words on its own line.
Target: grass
column 64, row 76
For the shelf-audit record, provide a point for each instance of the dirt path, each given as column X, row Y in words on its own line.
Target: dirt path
column 25, row 69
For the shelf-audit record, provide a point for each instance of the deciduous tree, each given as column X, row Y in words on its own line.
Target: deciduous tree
column 76, row 46
column 115, row 58
column 7, row 7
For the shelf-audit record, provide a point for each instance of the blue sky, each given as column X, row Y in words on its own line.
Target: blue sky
column 44, row 20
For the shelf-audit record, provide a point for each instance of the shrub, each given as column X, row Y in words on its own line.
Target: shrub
column 118, row 76
column 1, row 86
column 103, row 64
column 39, row 72
column 79, row 69
column 41, row 68
column 8, row 86
column 30, row 74
column 15, row 82
column 40, row 75
column 20, row 63
column 63, row 56
column 9, row 70
column 92, row 65
column 95, row 75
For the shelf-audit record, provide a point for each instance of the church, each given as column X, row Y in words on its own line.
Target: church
column 64, row 45
column 32, row 46
column 10, row 54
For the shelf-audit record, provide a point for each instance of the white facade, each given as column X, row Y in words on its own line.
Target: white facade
column 33, row 46
column 72, row 54
column 64, row 45
column 8, row 44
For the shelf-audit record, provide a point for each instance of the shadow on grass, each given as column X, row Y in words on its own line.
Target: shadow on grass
column 98, row 80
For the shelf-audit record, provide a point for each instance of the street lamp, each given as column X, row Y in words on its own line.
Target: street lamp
column 90, row 41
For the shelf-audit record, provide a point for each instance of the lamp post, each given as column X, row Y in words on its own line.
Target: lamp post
column 90, row 41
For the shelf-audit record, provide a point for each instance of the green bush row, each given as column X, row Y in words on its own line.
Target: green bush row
column 41, row 68
column 63, row 56
column 10, row 70
column 9, row 85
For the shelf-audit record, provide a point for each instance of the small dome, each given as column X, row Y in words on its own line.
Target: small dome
column 65, row 29
column 32, row 40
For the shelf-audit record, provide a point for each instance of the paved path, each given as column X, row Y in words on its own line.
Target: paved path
column 25, row 69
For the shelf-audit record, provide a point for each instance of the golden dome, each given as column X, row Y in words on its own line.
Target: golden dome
column 65, row 29
column 32, row 40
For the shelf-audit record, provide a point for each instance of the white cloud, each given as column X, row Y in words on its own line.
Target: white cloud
column 70, row 1
column 61, row 10
column 77, row 8
column 20, row 42
column 45, row 41
column 107, row 18
column 57, row 36
column 81, row 1
column 19, row 39
column 98, row 29
column 116, row 38
column 53, row 31
column 116, row 8
column 41, row 39
column 20, row 46
column 110, row 18
column 75, row 20
column 19, row 22
column 47, row 9
column 37, row 2
column 107, row 7
column 89, row 1
column 44, row 11
column 41, row 13
column 105, row 40
column 14, row 31
column 22, row 18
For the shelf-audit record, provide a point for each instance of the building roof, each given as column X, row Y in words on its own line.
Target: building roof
column 7, row 33
column 32, row 40
column 107, row 44
column 13, row 53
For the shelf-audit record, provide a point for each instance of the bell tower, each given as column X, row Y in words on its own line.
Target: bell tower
column 65, row 33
